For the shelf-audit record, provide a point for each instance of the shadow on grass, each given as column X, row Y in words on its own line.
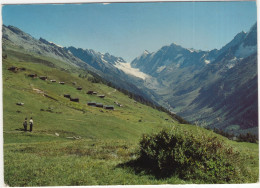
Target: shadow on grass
column 20, row 129
column 141, row 167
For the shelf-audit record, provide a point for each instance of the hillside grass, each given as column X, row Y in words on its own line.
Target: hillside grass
column 75, row 144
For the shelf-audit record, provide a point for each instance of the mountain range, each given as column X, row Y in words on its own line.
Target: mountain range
column 216, row 88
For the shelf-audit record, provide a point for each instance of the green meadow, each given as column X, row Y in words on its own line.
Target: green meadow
column 76, row 144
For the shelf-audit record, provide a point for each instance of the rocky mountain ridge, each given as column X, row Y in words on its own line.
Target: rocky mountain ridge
column 216, row 88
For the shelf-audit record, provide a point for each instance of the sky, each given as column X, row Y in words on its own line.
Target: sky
column 127, row 29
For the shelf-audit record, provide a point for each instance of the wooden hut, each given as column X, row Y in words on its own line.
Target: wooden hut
column 109, row 107
column 79, row 88
column 94, row 93
column 53, row 80
column 92, row 103
column 19, row 103
column 100, row 105
column 67, row 96
column 90, row 92
column 43, row 77
column 74, row 99
column 101, row 96
column 62, row 83
column 22, row 69
column 32, row 75
column 13, row 69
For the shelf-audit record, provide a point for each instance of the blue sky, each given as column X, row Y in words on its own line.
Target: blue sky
column 127, row 29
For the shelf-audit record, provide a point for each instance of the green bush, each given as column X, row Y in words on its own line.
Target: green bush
column 190, row 156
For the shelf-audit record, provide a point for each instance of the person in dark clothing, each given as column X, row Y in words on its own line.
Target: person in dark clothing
column 25, row 124
column 31, row 124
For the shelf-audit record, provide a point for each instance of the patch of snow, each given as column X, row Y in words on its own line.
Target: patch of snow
column 146, row 52
column 193, row 50
column 160, row 69
column 181, row 60
column 126, row 67
column 233, row 60
column 245, row 51
column 190, row 50
column 179, row 55
column 103, row 60
column 152, row 54
column 230, row 65
column 207, row 61
column 56, row 44
column 203, row 56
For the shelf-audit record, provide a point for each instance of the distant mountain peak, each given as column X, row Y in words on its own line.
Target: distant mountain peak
column 174, row 44
column 146, row 52
column 253, row 28
column 193, row 50
column 15, row 30
column 49, row 42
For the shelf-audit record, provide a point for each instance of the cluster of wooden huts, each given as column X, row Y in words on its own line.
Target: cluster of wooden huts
column 16, row 69
column 45, row 78
column 100, row 105
column 93, row 104
column 73, row 99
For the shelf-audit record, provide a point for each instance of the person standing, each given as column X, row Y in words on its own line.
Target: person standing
column 31, row 124
column 25, row 124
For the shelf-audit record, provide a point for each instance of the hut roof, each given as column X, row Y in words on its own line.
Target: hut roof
column 109, row 107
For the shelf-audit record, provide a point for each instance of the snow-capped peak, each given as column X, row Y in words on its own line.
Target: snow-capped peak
column 146, row 52
column 55, row 44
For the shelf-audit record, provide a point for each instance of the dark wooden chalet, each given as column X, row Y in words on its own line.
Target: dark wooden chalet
column 74, row 99
column 92, row 103
column 90, row 92
column 101, row 96
column 79, row 88
column 13, row 69
column 62, row 83
column 32, row 75
column 43, row 77
column 109, row 107
column 100, row 105
column 94, row 93
column 67, row 96
column 53, row 80
column 20, row 104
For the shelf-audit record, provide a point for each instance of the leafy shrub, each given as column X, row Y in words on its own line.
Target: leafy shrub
column 191, row 156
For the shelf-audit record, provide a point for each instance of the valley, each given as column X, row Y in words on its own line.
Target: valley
column 80, row 144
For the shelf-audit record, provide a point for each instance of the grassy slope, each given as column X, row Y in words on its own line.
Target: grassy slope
column 108, row 138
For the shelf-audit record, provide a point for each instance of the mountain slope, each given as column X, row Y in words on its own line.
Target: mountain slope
column 95, row 62
column 75, row 144
column 207, row 87
column 70, row 140
column 114, row 69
